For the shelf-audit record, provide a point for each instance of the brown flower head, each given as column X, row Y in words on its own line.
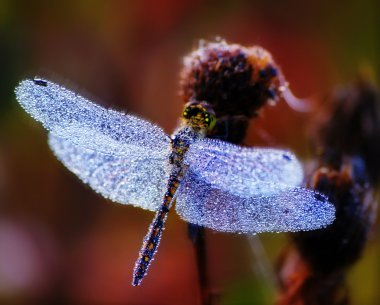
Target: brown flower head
column 236, row 81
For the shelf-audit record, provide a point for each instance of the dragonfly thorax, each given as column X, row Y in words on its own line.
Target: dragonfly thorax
column 181, row 140
column 199, row 115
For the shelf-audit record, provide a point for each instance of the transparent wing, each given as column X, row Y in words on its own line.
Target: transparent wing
column 246, row 172
column 73, row 117
column 139, row 179
column 297, row 209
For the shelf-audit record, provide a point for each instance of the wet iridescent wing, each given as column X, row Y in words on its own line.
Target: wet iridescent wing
column 138, row 179
column 235, row 189
column 70, row 116
column 120, row 156
column 295, row 209
column 247, row 172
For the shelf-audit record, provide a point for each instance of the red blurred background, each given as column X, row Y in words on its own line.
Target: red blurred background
column 60, row 243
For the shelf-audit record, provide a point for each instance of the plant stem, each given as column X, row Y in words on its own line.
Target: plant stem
column 198, row 238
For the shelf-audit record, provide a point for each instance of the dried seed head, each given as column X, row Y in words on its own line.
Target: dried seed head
column 352, row 127
column 349, row 139
column 233, row 79
column 236, row 81
column 348, row 135
column 340, row 245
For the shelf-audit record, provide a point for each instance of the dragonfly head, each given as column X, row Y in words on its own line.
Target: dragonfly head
column 199, row 115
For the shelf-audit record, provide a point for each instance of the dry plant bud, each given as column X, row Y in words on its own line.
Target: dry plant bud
column 313, row 271
column 235, row 80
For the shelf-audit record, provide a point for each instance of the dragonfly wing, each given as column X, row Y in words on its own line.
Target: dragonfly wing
column 139, row 179
column 246, row 172
column 70, row 116
column 297, row 209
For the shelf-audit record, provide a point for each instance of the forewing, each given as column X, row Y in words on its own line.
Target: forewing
column 246, row 172
column 70, row 116
column 296, row 209
column 138, row 179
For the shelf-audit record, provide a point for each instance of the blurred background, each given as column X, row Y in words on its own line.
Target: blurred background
column 60, row 243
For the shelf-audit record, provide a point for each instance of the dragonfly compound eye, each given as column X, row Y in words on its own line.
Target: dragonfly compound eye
column 199, row 115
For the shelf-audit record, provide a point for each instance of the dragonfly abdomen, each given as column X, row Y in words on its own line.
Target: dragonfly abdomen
column 180, row 145
column 153, row 237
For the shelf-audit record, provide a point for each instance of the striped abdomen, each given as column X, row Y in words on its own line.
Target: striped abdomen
column 152, row 239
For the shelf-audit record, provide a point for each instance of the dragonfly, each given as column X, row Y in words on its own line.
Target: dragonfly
column 213, row 183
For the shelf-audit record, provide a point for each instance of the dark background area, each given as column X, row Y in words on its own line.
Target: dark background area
column 60, row 243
